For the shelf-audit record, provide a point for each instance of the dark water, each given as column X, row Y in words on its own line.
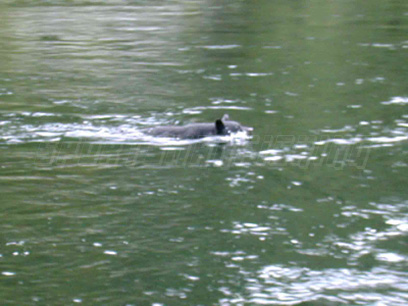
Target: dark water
column 309, row 210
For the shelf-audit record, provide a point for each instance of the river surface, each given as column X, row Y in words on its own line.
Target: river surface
column 310, row 209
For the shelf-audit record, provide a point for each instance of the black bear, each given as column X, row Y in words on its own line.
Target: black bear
column 223, row 126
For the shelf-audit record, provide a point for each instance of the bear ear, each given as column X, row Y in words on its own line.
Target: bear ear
column 225, row 117
column 219, row 126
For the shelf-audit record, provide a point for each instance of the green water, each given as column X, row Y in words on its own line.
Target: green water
column 309, row 210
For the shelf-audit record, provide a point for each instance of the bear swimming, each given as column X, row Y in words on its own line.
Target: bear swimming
column 220, row 127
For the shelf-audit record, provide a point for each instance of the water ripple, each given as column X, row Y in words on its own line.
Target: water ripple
column 287, row 285
column 397, row 101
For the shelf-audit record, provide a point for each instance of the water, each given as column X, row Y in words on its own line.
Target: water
column 309, row 210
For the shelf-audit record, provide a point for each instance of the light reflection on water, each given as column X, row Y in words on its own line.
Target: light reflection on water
column 278, row 285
